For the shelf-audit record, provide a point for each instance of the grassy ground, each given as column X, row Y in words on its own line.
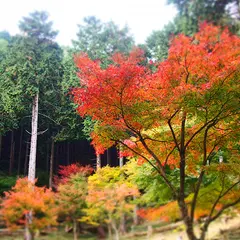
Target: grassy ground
column 230, row 231
column 52, row 236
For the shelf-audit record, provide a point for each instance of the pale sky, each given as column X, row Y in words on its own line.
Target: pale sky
column 141, row 16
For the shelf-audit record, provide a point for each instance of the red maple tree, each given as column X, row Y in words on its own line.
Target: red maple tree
column 179, row 115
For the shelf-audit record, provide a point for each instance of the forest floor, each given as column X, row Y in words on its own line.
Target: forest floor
column 218, row 230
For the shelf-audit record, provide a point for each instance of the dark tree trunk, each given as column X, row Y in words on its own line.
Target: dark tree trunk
column 20, row 152
column 47, row 157
column 26, row 157
column 56, row 158
column 187, row 221
column 0, row 146
column 108, row 157
column 68, row 153
column 51, row 164
column 12, row 150
column 123, row 225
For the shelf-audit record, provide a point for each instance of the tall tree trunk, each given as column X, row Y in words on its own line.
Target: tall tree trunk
column 51, row 164
column 135, row 216
column 120, row 156
column 123, row 222
column 115, row 230
column 12, row 150
column 123, row 225
column 33, row 147
column 47, row 157
column 26, row 157
column 108, row 157
column 187, row 221
column 68, row 153
column 75, row 229
column 20, row 152
column 0, row 146
column 28, row 235
column 98, row 161
column 56, row 157
column 109, row 231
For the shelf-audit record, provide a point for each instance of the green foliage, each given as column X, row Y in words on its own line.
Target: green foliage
column 71, row 123
column 37, row 26
column 100, row 40
column 31, row 65
column 152, row 188
column 71, row 197
column 6, row 183
column 190, row 15
column 5, row 35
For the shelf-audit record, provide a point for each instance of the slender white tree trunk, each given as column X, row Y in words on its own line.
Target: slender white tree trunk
column 75, row 230
column 120, row 157
column 33, row 147
column 116, row 237
column 98, row 161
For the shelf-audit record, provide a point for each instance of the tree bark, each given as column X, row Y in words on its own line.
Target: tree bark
column 115, row 230
column 75, row 230
column 186, row 219
column 33, row 147
column 98, row 165
column 51, row 164
column 120, row 156
column 109, row 231
column 26, row 157
column 135, row 216
column 0, row 146
column 28, row 235
column 108, row 157
column 68, row 153
column 47, row 157
column 56, row 158
column 20, row 152
column 123, row 225
column 12, row 150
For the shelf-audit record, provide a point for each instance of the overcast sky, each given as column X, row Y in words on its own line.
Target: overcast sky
column 142, row 16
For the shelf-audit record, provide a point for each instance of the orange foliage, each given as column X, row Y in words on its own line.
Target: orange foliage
column 167, row 212
column 131, row 99
column 26, row 198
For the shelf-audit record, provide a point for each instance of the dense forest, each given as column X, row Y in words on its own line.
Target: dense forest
column 90, row 103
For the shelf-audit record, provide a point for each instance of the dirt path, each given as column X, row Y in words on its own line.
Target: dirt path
column 214, row 230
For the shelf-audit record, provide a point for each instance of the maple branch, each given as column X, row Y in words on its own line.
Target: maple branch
column 221, row 195
column 172, row 131
column 160, row 169
column 200, row 178
column 154, row 140
column 169, row 154
column 224, row 208
column 157, row 169
column 213, row 120
column 182, row 164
